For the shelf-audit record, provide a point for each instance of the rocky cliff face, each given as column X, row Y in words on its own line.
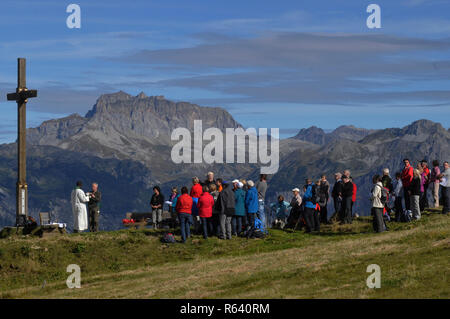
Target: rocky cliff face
column 120, row 115
column 124, row 126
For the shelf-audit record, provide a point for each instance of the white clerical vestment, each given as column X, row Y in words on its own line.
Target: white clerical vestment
column 79, row 200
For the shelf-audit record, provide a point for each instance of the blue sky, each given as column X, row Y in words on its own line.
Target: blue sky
column 285, row 64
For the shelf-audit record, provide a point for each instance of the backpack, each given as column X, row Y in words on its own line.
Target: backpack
column 384, row 195
column 314, row 195
column 322, row 199
column 259, row 224
column 257, row 231
column 168, row 238
column 258, row 234
column 406, row 216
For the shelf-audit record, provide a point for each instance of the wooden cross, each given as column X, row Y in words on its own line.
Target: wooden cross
column 21, row 96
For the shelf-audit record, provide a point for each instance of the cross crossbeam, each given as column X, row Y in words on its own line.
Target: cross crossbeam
column 23, row 95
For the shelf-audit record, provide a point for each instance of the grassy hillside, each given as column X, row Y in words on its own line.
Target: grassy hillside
column 413, row 257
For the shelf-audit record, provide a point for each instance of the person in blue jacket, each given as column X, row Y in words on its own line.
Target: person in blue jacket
column 282, row 210
column 310, row 208
column 172, row 208
column 239, row 196
column 251, row 203
column 195, row 217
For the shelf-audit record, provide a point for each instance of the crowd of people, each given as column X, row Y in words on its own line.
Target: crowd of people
column 221, row 208
column 215, row 207
column 224, row 209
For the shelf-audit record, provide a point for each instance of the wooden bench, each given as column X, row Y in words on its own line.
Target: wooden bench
column 142, row 219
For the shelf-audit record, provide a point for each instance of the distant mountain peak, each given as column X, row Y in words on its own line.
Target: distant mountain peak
column 312, row 134
column 318, row 136
column 425, row 125
column 142, row 95
column 121, row 95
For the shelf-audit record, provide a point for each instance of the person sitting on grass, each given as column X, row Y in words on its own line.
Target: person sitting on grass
column 282, row 210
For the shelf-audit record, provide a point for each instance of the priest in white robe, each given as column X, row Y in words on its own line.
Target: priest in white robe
column 79, row 200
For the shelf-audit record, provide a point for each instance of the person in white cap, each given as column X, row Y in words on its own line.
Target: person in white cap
column 239, row 208
column 251, row 203
column 296, row 204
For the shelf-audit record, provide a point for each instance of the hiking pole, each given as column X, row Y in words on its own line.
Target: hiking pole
column 296, row 224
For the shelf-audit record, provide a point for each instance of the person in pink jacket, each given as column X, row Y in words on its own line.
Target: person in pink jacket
column 434, row 182
column 205, row 207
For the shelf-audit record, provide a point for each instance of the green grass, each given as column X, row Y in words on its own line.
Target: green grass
column 134, row 264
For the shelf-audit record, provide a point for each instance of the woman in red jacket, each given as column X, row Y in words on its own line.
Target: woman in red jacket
column 196, row 190
column 355, row 189
column 184, row 210
column 205, row 207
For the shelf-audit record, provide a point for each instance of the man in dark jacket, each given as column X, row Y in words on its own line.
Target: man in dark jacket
column 261, row 187
column 347, row 194
column 209, row 180
column 95, row 198
column 324, row 194
column 227, row 203
column 157, row 203
column 336, row 193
